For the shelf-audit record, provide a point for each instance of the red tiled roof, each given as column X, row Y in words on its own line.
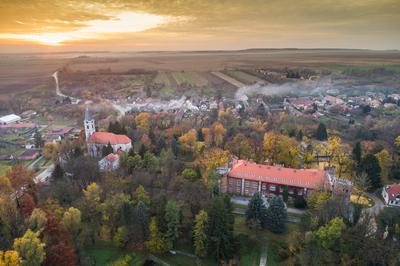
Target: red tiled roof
column 112, row 157
column 305, row 178
column 393, row 191
column 107, row 137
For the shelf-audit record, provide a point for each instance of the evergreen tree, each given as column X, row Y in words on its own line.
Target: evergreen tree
column 276, row 216
column 58, row 173
column 107, row 150
column 300, row 135
column 200, row 233
column 174, row 147
column 220, row 231
column 256, row 209
column 142, row 150
column 321, row 133
column 200, row 136
column 160, row 146
column 38, row 139
column 172, row 217
column 370, row 165
column 357, row 153
column 141, row 221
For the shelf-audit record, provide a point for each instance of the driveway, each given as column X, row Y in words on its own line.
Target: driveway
column 43, row 176
column 378, row 204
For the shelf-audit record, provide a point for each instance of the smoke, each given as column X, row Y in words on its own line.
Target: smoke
column 301, row 87
column 181, row 104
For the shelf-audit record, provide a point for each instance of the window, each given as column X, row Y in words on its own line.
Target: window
column 280, row 189
column 264, row 186
column 290, row 191
column 267, row 177
column 238, row 182
column 283, row 179
column 272, row 188
column 291, row 181
column 230, row 181
column 247, row 183
column 300, row 192
column 238, row 190
column 308, row 183
column 255, row 185
column 275, row 179
column 299, row 182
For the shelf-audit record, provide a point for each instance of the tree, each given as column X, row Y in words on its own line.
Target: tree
column 151, row 162
column 141, row 195
column 219, row 132
column 241, row 147
column 321, row 133
column 38, row 139
column 187, row 141
column 213, row 158
column 58, row 173
column 142, row 121
column 276, row 216
column 30, row 248
column 256, row 209
column 300, row 202
column 316, row 199
column 51, row 151
column 21, row 179
column 370, row 165
column 328, row 235
column 9, row 258
column 61, row 254
column 200, row 233
column 72, row 221
column 106, row 150
column 157, row 244
column 220, row 230
column 385, row 162
column 38, row 219
column 357, row 153
column 172, row 217
column 190, row 174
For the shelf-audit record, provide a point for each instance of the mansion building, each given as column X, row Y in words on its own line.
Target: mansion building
column 96, row 141
column 246, row 178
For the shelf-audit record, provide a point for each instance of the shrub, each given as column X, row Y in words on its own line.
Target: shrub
column 300, row 202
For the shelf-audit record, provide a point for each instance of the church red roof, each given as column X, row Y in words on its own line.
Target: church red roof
column 107, row 137
column 306, row 178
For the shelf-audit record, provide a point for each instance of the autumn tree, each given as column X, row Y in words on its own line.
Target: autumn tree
column 72, row 221
column 142, row 195
column 188, row 140
column 51, row 151
column 218, row 132
column 37, row 220
column 157, row 244
column 9, row 258
column 329, row 235
column 30, row 248
column 21, row 180
column 211, row 159
column 385, row 162
column 142, row 121
column 200, row 233
column 241, row 147
column 61, row 254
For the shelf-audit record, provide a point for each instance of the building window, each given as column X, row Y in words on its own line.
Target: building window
column 272, row 188
column 299, row 182
column 275, row 179
column 267, row 177
column 230, row 181
column 255, row 185
column 247, row 183
column 280, row 189
column 283, row 179
column 291, row 181
column 264, row 186
column 238, row 182
column 300, row 192
column 308, row 184
column 290, row 191
column 238, row 190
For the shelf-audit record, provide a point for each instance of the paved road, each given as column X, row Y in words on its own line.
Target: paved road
column 264, row 253
column 43, row 176
column 378, row 204
column 30, row 167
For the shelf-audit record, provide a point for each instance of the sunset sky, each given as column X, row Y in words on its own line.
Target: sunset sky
column 137, row 25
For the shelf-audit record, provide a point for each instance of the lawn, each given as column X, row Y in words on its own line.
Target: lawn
column 243, row 77
column 103, row 256
column 276, row 242
column 363, row 200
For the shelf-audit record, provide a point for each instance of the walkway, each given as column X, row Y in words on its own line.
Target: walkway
column 44, row 176
column 378, row 204
column 32, row 164
column 264, row 253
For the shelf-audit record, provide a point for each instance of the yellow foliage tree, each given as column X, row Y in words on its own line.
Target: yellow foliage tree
column 218, row 133
column 385, row 162
column 142, row 121
column 9, row 258
column 211, row 159
column 51, row 151
column 187, row 141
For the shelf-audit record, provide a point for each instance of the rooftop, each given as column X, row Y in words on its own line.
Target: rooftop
column 107, row 137
column 393, row 191
column 306, row 178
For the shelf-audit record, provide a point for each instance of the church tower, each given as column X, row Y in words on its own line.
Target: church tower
column 89, row 124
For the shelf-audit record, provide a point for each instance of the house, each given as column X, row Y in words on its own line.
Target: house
column 28, row 155
column 96, row 141
column 391, row 195
column 109, row 163
column 9, row 119
column 333, row 100
column 301, row 103
column 246, row 178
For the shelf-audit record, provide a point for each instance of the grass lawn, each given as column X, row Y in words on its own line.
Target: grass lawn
column 363, row 200
column 275, row 242
column 104, row 256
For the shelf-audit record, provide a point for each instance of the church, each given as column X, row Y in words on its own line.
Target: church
column 97, row 140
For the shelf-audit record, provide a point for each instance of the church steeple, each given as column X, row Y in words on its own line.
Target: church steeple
column 89, row 124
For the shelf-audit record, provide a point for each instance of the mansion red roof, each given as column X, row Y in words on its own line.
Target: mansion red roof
column 305, row 178
column 107, row 137
column 393, row 191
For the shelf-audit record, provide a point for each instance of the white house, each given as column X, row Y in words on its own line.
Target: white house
column 9, row 119
column 109, row 163
column 391, row 195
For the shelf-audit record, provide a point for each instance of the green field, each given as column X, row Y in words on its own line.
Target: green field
column 242, row 76
column 162, row 78
column 192, row 78
column 368, row 68
column 107, row 256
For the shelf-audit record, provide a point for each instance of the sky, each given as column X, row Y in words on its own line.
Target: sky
column 147, row 25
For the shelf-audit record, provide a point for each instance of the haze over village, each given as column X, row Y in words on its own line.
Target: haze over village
column 199, row 133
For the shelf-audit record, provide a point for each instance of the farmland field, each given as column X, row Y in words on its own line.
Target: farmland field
column 242, row 76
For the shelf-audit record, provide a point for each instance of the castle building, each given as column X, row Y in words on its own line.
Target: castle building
column 246, row 178
column 96, row 141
